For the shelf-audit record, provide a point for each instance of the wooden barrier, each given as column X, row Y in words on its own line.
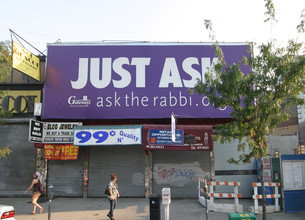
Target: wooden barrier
column 256, row 197
column 209, row 193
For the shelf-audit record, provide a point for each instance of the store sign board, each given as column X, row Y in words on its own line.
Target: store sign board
column 52, row 132
column 36, row 131
column 59, row 132
column 195, row 137
column 164, row 137
column 60, row 152
column 25, row 61
column 115, row 81
column 129, row 135
column 20, row 101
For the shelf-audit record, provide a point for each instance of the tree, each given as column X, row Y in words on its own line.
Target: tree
column 5, row 70
column 260, row 99
column 5, row 60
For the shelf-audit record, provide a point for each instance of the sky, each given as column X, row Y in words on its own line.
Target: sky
column 41, row 22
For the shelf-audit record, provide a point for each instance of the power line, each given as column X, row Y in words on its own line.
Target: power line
column 18, row 36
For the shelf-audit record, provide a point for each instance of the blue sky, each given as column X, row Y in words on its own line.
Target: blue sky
column 41, row 22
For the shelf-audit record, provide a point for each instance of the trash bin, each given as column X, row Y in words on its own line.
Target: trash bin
column 154, row 207
column 241, row 216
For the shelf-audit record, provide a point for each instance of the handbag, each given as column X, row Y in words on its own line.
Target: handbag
column 41, row 189
column 107, row 191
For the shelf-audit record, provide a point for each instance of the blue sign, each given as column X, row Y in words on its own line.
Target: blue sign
column 126, row 135
column 164, row 137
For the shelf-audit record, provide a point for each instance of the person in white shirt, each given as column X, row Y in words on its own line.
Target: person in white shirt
column 114, row 194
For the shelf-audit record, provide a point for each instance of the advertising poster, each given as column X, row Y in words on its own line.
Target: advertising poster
column 60, row 152
column 138, row 81
column 129, row 135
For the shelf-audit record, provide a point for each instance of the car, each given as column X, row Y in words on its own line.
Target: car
column 7, row 212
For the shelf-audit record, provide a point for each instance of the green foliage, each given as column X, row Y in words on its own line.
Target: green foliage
column 4, row 151
column 5, row 60
column 259, row 99
column 209, row 27
column 270, row 13
column 301, row 26
column 5, row 70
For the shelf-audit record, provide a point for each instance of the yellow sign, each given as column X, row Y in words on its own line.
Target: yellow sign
column 25, row 61
column 60, row 152
column 20, row 101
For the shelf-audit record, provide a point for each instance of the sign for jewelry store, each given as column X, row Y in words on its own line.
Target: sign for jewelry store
column 123, row 135
column 52, row 132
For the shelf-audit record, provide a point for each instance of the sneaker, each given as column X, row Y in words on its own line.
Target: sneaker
column 108, row 215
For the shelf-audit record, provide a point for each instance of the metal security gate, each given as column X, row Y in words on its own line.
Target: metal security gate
column 127, row 162
column 179, row 171
column 66, row 177
column 225, row 171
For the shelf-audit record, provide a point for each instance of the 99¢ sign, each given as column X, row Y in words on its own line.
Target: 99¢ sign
column 83, row 136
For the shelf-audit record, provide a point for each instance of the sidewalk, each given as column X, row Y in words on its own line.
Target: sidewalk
column 127, row 209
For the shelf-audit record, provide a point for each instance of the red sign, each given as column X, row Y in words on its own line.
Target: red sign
column 60, row 152
column 195, row 138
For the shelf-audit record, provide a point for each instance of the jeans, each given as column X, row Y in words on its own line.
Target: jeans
column 112, row 206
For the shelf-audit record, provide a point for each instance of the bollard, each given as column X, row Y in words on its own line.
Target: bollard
column 166, row 200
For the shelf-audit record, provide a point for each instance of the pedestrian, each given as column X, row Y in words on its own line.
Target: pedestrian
column 114, row 194
column 36, row 193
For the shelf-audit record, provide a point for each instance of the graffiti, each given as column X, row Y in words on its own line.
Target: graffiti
column 164, row 173
column 169, row 173
column 186, row 173
column 176, row 174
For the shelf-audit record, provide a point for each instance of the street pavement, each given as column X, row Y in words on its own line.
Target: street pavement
column 127, row 209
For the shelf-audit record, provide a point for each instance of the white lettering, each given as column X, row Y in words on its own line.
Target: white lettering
column 187, row 66
column 101, row 78
column 124, row 74
column 140, row 64
column 95, row 72
column 82, row 74
column 71, row 100
column 170, row 74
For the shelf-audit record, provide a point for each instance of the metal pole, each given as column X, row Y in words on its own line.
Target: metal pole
column 14, row 33
column 50, row 200
column 166, row 211
column 206, row 201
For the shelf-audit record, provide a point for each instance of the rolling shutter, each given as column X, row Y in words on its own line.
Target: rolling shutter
column 179, row 171
column 66, row 177
column 127, row 162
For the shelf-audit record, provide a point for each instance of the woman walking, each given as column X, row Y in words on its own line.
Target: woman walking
column 36, row 193
column 114, row 194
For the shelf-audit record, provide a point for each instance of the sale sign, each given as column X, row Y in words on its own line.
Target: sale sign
column 60, row 152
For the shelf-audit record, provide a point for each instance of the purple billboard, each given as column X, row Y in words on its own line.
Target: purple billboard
column 145, row 80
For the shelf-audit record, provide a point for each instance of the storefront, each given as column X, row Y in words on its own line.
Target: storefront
column 17, row 168
column 113, row 149
column 177, row 164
